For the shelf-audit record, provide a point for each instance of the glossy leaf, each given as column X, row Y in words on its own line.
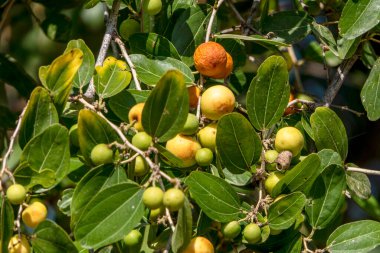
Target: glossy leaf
column 296, row 27
column 214, row 196
column 300, row 177
column 294, row 246
column 86, row 70
column 49, row 151
column 324, row 34
column 104, row 219
column 166, row 109
column 238, row 145
column 370, row 94
column 60, row 75
column 151, row 71
column 283, row 213
column 189, row 31
column 29, row 177
column 112, row 77
column 347, row 48
column 236, row 49
column 152, row 45
column 92, row 130
column 51, row 238
column 183, row 230
column 328, row 157
column 6, row 223
column 359, row 236
column 237, row 179
column 329, row 131
column 358, row 17
column 327, row 196
column 268, row 93
column 369, row 55
column 65, row 201
column 254, row 38
column 359, row 184
column 39, row 115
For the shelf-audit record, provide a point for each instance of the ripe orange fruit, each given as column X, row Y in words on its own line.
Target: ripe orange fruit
column 292, row 109
column 212, row 60
column 194, row 93
column 135, row 114
column 185, row 148
column 199, row 244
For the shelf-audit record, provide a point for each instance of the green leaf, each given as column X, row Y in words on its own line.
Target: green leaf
column 294, row 246
column 6, row 223
column 183, row 230
column 329, row 131
column 86, row 70
column 371, row 205
column 65, row 201
column 151, row 71
column 13, row 74
column 152, row 45
column 93, row 130
column 359, row 184
column 296, row 27
column 112, row 77
column 327, row 196
column 359, row 17
column 300, row 178
column 324, row 34
column 49, row 151
column 368, row 56
column 104, row 220
column 283, row 213
column 329, row 157
column 241, row 179
column 165, row 111
column 214, row 196
column 268, row 93
column 51, row 238
column 255, row 38
column 370, row 93
column 28, row 177
column 60, row 75
column 347, row 48
column 236, row 49
column 88, row 4
column 57, row 26
column 39, row 115
column 189, row 31
column 238, row 145
column 359, row 236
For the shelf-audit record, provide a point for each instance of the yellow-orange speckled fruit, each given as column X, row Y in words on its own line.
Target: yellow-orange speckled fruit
column 199, row 245
column 194, row 93
column 184, row 148
column 34, row 214
column 16, row 246
column 217, row 101
column 135, row 113
column 210, row 59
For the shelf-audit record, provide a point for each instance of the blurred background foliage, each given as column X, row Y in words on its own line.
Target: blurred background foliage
column 33, row 33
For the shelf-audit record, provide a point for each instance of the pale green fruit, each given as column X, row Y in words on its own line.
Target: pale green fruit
column 128, row 27
column 191, row 125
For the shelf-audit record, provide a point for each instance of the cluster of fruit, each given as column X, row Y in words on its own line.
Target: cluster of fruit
column 32, row 215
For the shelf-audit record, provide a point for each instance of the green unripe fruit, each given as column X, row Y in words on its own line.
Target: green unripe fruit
column 73, row 133
column 133, row 238
column 272, row 180
column 252, row 233
column 207, row 136
column 289, row 138
column 153, row 197
column 275, row 231
column 141, row 168
column 155, row 213
column 142, row 140
column 101, row 154
column 303, row 97
column 174, row 199
column 16, row 194
column 231, row 230
column 191, row 125
column 152, row 7
column 128, row 27
column 270, row 158
column 204, row 157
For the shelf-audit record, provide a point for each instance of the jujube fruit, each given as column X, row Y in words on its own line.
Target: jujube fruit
column 185, row 148
column 174, row 199
column 141, row 167
column 135, row 114
column 217, row 101
column 153, row 197
column 289, row 138
column 152, row 7
column 252, row 233
column 128, row 27
column 199, row 244
column 204, row 157
column 272, row 180
column 101, row 154
column 16, row 194
column 207, row 136
column 16, row 246
column 231, row 230
column 133, row 238
column 34, row 214
column 142, row 140
column 194, row 93
column 191, row 125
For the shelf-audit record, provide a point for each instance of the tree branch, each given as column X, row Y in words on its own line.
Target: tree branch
column 110, row 31
column 336, row 83
column 251, row 14
column 365, row 171
column 211, row 21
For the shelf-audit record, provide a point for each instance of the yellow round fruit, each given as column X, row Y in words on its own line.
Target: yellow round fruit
column 207, row 136
column 185, row 148
column 199, row 245
column 16, row 246
column 135, row 114
column 16, row 194
column 272, row 180
column 128, row 27
column 34, row 214
column 141, row 167
column 217, row 101
column 152, row 7
column 289, row 138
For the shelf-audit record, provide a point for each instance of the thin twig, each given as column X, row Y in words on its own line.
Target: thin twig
column 339, row 77
column 4, row 168
column 110, row 31
column 241, row 19
column 211, row 21
column 293, row 57
column 130, row 159
column 6, row 13
column 129, row 61
column 17, row 221
column 345, row 108
column 297, row 100
column 365, row 171
column 251, row 14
